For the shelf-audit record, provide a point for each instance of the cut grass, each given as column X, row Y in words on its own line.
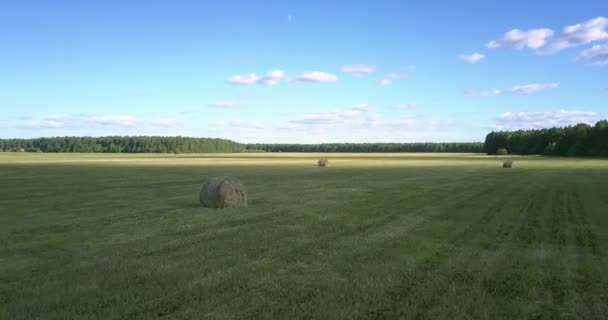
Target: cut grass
column 373, row 236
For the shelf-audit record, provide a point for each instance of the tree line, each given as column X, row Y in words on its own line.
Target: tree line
column 473, row 147
column 117, row 144
column 143, row 144
column 578, row 140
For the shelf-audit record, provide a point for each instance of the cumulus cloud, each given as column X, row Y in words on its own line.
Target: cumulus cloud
column 224, row 105
column 472, row 58
column 389, row 78
column 597, row 54
column 270, row 79
column 580, row 34
column 358, row 69
column 406, row 106
column 548, row 119
column 519, row 39
column 520, row 89
column 316, row 76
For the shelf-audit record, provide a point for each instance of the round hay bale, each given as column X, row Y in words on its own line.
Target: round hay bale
column 223, row 192
column 323, row 162
column 507, row 164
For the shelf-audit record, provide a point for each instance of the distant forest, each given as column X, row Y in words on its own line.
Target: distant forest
column 473, row 147
column 578, row 140
column 141, row 144
column 117, row 144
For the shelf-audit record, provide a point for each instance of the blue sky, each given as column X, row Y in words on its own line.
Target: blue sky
column 300, row 71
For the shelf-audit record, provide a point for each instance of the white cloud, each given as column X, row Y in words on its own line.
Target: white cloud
column 165, row 123
column 316, row 76
column 331, row 117
column 377, row 120
column 247, row 79
column 519, row 39
column 270, row 79
column 536, row 120
column 389, row 78
column 112, row 120
column 356, row 124
column 521, row 89
column 598, row 54
column 580, row 34
column 239, row 123
column 340, row 116
column 57, row 116
column 532, row 88
column 248, row 95
column 358, row 69
column 224, row 105
column 362, row 107
column 472, row 58
column 406, row 106
column 88, row 121
column 23, row 117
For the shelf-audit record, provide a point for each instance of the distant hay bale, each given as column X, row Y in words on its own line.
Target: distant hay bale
column 223, row 192
column 507, row 163
column 323, row 162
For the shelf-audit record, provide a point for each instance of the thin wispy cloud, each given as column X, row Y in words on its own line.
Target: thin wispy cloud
column 224, row 105
column 341, row 124
column 240, row 123
column 316, row 76
column 580, row 34
column 247, row 79
column 597, row 54
column 248, row 95
column 84, row 121
column 518, row 89
column 389, row 78
column 271, row 78
column 358, row 69
column 548, row 119
column 362, row 107
column 472, row 58
column 332, row 117
column 377, row 120
column 547, row 41
column 520, row 39
column 406, row 106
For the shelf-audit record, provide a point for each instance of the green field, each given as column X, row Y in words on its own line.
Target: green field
column 373, row 236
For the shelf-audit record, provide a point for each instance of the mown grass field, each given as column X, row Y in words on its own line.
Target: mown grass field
column 373, row 236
